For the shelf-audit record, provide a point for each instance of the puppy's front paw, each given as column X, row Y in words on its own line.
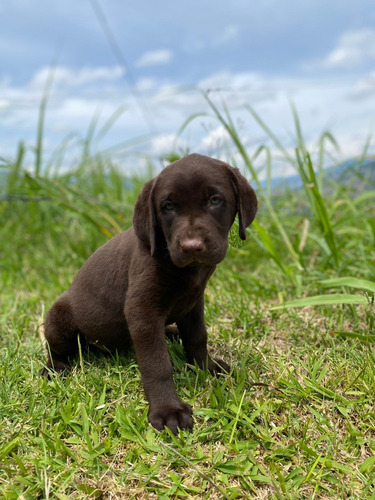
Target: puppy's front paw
column 174, row 415
column 217, row 365
column 56, row 366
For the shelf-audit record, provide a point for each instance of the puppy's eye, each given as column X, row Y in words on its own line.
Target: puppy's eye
column 216, row 201
column 168, row 206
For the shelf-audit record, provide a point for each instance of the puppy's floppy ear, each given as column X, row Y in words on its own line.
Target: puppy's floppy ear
column 144, row 217
column 247, row 203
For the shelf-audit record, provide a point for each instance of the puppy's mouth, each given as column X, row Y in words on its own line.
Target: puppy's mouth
column 183, row 261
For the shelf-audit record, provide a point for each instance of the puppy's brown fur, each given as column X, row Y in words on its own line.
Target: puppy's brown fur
column 154, row 275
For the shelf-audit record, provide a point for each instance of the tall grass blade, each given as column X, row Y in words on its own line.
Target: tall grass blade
column 324, row 138
column 356, row 336
column 317, row 203
column 87, row 142
column 228, row 125
column 323, row 300
column 78, row 202
column 41, row 120
column 15, row 174
column 267, row 242
column 366, row 285
column 186, row 123
column 297, row 124
column 108, row 124
column 270, row 134
column 303, row 165
column 56, row 159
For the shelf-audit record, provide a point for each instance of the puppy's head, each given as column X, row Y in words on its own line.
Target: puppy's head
column 189, row 208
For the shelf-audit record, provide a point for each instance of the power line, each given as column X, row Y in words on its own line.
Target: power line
column 121, row 59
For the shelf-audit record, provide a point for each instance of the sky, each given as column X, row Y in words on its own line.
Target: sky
column 139, row 70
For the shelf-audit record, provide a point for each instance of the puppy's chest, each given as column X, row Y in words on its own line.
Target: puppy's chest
column 180, row 306
column 182, row 297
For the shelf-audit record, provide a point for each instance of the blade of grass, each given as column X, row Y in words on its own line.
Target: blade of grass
column 323, row 300
column 15, row 173
column 357, row 336
column 303, row 164
column 216, row 486
column 268, row 242
column 228, row 125
column 317, row 203
column 270, row 134
column 108, row 124
column 325, row 137
column 61, row 194
column 41, row 120
column 361, row 284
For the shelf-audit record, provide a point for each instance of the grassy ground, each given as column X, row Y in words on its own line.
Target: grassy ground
column 296, row 417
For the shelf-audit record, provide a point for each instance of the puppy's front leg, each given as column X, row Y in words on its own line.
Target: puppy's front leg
column 193, row 332
column 148, row 336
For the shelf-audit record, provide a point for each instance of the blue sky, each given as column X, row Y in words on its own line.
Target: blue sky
column 320, row 55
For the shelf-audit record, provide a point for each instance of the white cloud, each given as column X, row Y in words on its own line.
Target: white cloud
column 229, row 33
column 215, row 139
column 163, row 144
column 365, row 88
column 166, row 143
column 146, row 84
column 67, row 77
column 154, row 58
column 4, row 104
column 238, row 85
column 71, row 109
column 226, row 79
column 226, row 36
column 353, row 49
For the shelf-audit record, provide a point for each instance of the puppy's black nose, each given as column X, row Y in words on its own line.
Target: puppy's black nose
column 191, row 245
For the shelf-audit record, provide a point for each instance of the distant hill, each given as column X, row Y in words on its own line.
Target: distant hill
column 357, row 174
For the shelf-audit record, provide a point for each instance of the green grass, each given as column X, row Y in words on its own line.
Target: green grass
column 295, row 419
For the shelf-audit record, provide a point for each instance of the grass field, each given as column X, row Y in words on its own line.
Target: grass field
column 291, row 310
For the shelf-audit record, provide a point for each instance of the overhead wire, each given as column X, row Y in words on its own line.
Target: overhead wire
column 121, row 59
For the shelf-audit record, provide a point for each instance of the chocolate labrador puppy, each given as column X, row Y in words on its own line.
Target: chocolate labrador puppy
column 153, row 275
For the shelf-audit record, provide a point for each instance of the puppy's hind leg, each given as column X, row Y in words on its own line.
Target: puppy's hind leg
column 61, row 335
